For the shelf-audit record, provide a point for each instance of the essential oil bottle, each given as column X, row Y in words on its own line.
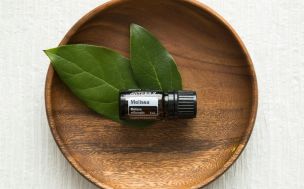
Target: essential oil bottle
column 157, row 105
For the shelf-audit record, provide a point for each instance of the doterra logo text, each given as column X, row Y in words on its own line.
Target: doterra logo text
column 142, row 93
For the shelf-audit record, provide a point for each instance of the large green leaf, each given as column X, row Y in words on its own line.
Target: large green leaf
column 153, row 67
column 94, row 74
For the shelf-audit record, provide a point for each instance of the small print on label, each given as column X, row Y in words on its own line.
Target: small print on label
column 143, row 106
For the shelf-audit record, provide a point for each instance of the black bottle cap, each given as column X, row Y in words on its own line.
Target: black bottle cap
column 181, row 104
column 186, row 104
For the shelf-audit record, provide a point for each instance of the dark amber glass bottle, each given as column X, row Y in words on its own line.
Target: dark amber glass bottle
column 157, row 105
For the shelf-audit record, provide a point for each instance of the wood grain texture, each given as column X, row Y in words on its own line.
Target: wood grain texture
column 273, row 33
column 171, row 154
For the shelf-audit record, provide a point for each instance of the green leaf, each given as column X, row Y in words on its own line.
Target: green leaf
column 94, row 74
column 153, row 67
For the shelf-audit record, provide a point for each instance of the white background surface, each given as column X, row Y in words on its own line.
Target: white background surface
column 273, row 31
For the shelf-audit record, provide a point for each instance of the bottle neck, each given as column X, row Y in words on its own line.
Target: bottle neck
column 170, row 104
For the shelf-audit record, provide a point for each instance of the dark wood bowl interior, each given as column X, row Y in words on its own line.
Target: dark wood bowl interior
column 170, row 154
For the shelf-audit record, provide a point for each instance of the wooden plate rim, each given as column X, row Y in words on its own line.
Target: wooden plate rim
column 84, row 19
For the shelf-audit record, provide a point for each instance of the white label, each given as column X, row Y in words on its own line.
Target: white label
column 143, row 106
column 143, row 101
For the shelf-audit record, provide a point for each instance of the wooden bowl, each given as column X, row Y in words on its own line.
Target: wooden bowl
column 170, row 154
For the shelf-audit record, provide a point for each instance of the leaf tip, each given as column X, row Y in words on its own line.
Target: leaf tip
column 48, row 51
column 135, row 27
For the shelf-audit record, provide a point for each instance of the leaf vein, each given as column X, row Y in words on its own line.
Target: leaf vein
column 116, row 89
column 153, row 67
